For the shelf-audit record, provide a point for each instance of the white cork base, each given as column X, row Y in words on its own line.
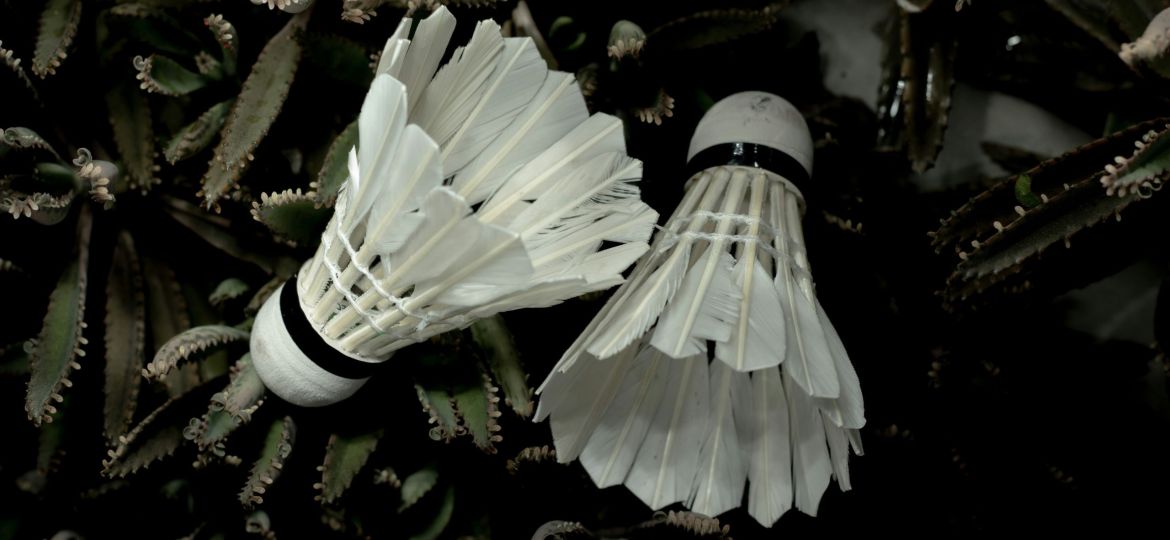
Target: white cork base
column 285, row 370
column 757, row 118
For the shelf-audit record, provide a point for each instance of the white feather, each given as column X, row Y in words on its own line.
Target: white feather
column 394, row 52
column 635, row 226
column 553, row 112
column 810, row 451
column 838, row 440
column 494, row 265
column 415, row 173
column 597, row 135
column 580, row 398
column 807, row 359
column 723, row 466
column 443, row 237
column 848, row 409
column 607, row 177
column 633, row 315
column 458, row 87
column 427, row 46
column 766, row 439
column 758, row 339
column 517, row 74
column 705, row 307
column 614, row 444
column 380, row 126
column 664, row 469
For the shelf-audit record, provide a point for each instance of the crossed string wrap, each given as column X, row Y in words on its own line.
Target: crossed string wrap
column 762, row 240
column 327, row 237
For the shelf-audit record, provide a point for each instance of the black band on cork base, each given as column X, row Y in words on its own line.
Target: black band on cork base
column 312, row 344
column 750, row 155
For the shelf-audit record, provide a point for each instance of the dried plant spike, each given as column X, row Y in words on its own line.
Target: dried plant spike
column 417, row 485
column 345, row 456
column 499, row 349
column 125, row 337
column 916, row 90
column 59, row 345
column 254, row 111
column 58, row 26
column 532, row 454
column 191, row 344
column 333, row 170
column 1144, row 170
column 228, row 289
column 293, row 216
column 277, row 447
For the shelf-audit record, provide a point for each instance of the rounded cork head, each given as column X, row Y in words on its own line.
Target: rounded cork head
column 756, row 118
column 285, row 369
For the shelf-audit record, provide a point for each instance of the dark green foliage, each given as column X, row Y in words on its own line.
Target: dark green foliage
column 991, row 408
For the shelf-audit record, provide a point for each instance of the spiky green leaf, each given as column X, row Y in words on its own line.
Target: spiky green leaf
column 57, row 29
column 155, row 27
column 478, row 409
column 134, row 134
column 157, row 435
column 165, row 76
column 292, row 215
column 190, row 345
column 345, row 456
column 254, row 111
column 125, row 336
column 417, row 485
column 197, row 135
column 499, row 348
column 228, row 289
column 60, row 341
column 277, row 447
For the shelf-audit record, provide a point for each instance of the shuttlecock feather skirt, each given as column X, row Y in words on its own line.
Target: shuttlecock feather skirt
column 714, row 366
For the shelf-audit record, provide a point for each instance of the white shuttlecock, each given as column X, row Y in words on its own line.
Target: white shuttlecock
column 482, row 188
column 714, row 365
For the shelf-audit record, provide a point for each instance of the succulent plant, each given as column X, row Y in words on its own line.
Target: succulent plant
column 164, row 164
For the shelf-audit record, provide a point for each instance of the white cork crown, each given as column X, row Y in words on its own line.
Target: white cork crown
column 755, row 118
column 479, row 186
